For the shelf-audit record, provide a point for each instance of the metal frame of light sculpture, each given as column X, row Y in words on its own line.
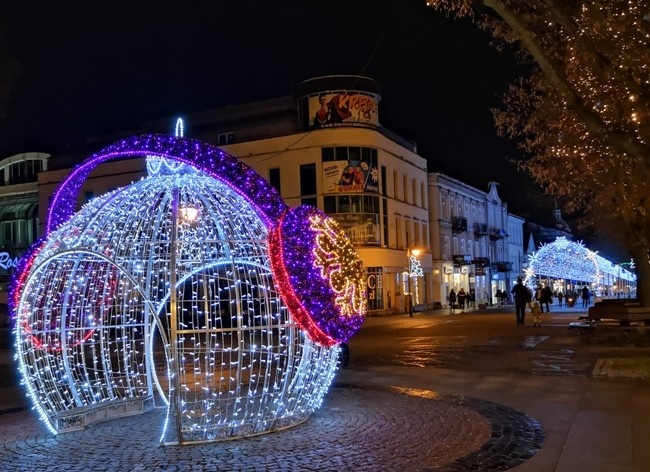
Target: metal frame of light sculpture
column 564, row 259
column 241, row 364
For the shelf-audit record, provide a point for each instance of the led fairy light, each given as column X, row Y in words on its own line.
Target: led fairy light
column 319, row 274
column 416, row 271
column 570, row 260
column 93, row 303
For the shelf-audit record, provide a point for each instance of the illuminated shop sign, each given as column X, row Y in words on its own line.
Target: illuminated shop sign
column 7, row 262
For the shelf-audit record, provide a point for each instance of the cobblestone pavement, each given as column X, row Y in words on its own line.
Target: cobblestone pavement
column 378, row 429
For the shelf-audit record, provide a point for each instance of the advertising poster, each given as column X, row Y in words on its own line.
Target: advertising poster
column 330, row 109
column 350, row 177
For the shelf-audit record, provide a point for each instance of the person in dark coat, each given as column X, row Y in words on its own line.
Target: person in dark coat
column 546, row 299
column 585, row 296
column 452, row 300
column 521, row 295
column 462, row 296
column 497, row 297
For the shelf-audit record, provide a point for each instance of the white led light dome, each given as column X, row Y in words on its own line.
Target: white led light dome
column 101, row 332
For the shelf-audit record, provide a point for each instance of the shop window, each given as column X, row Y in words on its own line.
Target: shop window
column 274, row 178
column 308, row 179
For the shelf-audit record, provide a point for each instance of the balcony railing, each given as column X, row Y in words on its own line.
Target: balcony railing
column 458, row 224
column 502, row 266
column 480, row 230
column 497, row 233
column 481, row 262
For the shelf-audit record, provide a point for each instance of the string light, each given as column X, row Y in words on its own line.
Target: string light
column 570, row 260
column 318, row 274
column 93, row 300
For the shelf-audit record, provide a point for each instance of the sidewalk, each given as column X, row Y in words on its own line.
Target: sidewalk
column 394, row 414
column 589, row 425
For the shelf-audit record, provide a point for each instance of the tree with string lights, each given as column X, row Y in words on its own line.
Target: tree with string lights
column 582, row 114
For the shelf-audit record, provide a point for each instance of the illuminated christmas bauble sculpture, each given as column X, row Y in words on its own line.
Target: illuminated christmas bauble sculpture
column 196, row 289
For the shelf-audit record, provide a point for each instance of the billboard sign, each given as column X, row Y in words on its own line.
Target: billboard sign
column 350, row 177
column 333, row 108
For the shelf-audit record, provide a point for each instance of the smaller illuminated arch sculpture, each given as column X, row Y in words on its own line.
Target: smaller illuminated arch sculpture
column 564, row 259
column 173, row 290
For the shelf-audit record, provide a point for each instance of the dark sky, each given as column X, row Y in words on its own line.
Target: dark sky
column 93, row 67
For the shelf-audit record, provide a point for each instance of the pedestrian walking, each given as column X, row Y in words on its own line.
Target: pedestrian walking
column 452, row 300
column 536, row 311
column 462, row 296
column 497, row 297
column 471, row 298
column 521, row 296
column 560, row 296
column 547, row 299
column 585, row 296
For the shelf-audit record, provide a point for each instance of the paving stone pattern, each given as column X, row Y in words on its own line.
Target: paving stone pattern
column 356, row 429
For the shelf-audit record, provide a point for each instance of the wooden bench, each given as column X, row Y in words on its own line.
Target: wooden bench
column 625, row 311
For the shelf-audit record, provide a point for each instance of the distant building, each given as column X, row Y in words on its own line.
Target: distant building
column 469, row 239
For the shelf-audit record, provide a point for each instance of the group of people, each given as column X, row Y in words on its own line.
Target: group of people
column 462, row 298
column 523, row 298
column 501, row 297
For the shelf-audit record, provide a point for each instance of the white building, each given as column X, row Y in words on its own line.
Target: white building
column 516, row 252
column 469, row 248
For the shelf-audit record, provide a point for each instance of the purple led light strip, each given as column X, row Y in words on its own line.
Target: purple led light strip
column 200, row 155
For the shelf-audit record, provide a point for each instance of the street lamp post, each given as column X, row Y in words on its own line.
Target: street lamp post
column 411, row 254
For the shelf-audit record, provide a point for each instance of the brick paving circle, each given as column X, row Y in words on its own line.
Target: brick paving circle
column 359, row 429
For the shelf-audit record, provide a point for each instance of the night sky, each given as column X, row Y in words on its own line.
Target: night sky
column 90, row 68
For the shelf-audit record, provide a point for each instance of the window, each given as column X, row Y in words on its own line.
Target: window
column 384, row 184
column 417, row 236
column 395, row 184
column 349, row 153
column 274, row 178
column 312, row 201
column 423, row 195
column 24, row 171
column 327, row 154
column 308, row 179
column 414, row 192
column 398, row 233
column 329, row 205
column 374, row 288
column 384, row 203
column 405, row 180
column 225, row 138
column 425, row 236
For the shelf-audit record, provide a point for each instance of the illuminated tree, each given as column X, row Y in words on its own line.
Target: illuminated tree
column 582, row 114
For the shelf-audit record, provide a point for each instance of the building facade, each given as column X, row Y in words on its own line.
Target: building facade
column 516, row 252
column 469, row 239
column 19, row 210
column 323, row 147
